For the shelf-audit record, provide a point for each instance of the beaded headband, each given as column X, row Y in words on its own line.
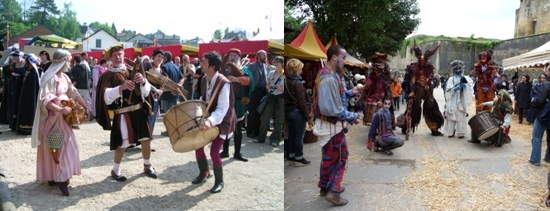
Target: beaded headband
column 67, row 58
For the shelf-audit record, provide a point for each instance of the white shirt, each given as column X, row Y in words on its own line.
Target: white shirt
column 111, row 94
column 217, row 116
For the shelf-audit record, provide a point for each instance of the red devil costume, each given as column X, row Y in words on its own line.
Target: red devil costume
column 376, row 88
column 485, row 73
column 419, row 75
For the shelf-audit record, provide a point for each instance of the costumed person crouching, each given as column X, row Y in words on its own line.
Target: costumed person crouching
column 381, row 136
column 458, row 98
column 486, row 73
column 217, row 87
column 419, row 75
column 127, row 94
column 376, row 87
column 502, row 114
column 243, row 84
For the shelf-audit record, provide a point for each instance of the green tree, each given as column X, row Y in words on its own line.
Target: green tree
column 218, row 34
column 72, row 27
column 293, row 21
column 10, row 13
column 65, row 25
column 362, row 27
column 26, row 8
column 96, row 26
column 114, row 28
column 42, row 10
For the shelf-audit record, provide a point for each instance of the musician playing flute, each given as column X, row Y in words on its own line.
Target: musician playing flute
column 458, row 98
column 243, row 85
column 130, row 125
column 222, row 115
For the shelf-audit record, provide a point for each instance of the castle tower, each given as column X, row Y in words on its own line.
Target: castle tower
column 532, row 17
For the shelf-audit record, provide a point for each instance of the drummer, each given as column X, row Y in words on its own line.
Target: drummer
column 502, row 112
column 217, row 87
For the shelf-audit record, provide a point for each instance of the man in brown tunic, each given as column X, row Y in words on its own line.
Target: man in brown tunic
column 222, row 115
column 129, row 126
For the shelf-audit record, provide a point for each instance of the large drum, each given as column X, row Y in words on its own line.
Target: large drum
column 183, row 126
column 483, row 125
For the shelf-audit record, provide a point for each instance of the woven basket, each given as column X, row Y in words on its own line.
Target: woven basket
column 55, row 137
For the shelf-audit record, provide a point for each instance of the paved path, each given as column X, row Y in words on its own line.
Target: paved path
column 427, row 173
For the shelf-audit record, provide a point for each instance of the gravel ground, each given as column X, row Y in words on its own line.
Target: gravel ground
column 257, row 184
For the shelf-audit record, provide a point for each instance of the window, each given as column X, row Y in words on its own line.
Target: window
column 534, row 27
column 98, row 43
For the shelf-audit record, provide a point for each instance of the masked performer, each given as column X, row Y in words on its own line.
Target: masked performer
column 376, row 88
column 419, row 75
column 243, row 85
column 458, row 97
column 29, row 94
column 126, row 92
column 381, row 135
column 485, row 73
column 501, row 113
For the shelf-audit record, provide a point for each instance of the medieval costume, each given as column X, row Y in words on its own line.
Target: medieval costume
column 419, row 75
column 377, row 86
column 130, row 107
column 330, row 128
column 96, row 72
column 458, row 90
column 381, row 135
column 55, row 87
column 6, row 73
column 14, row 83
column 29, row 94
column 502, row 114
column 486, row 73
column 242, row 91
column 222, row 115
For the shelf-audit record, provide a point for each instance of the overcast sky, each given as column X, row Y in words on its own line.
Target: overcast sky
column 185, row 18
column 488, row 19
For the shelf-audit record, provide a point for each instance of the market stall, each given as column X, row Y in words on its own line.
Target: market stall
column 536, row 59
column 50, row 40
column 247, row 47
column 176, row 50
column 307, row 48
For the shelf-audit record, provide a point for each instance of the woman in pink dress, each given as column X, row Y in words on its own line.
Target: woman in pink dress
column 96, row 72
column 56, row 86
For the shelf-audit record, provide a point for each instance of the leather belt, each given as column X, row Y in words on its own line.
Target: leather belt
column 128, row 109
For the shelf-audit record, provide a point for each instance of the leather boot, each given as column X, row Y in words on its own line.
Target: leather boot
column 218, row 184
column 64, row 187
column 336, row 199
column 204, row 172
column 225, row 152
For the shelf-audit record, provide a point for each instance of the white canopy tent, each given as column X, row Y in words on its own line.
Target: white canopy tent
column 537, row 57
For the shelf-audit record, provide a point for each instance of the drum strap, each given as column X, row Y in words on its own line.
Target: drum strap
column 220, row 84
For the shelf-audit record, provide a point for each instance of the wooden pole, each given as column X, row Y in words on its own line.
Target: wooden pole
column 6, row 201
